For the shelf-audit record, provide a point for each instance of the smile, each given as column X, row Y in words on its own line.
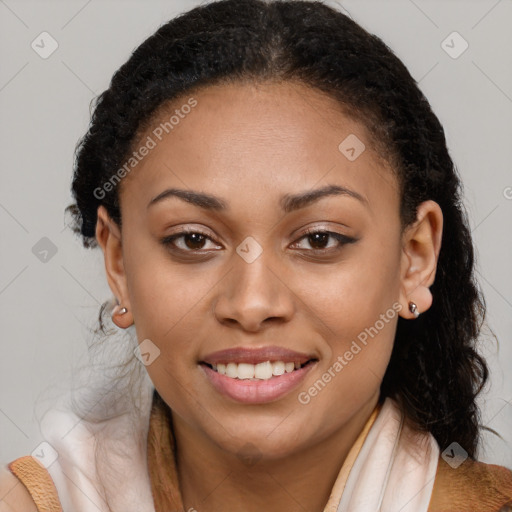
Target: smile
column 244, row 388
column 262, row 371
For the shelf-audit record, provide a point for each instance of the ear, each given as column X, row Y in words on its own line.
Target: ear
column 108, row 236
column 421, row 244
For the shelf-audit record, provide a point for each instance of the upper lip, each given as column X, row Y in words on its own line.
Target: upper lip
column 257, row 355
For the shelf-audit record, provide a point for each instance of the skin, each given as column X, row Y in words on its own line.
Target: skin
column 250, row 145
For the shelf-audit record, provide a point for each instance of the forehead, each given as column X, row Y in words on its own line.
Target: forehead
column 257, row 140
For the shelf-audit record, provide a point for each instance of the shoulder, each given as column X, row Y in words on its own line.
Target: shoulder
column 14, row 496
column 471, row 486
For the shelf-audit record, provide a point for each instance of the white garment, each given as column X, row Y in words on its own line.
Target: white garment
column 74, row 473
column 395, row 468
column 394, row 471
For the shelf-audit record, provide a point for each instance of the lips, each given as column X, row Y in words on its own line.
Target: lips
column 257, row 355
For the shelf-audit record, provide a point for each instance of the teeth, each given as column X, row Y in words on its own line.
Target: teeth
column 278, row 368
column 260, row 371
column 232, row 370
column 245, row 371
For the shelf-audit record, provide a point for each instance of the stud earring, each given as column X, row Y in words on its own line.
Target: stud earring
column 414, row 309
column 121, row 311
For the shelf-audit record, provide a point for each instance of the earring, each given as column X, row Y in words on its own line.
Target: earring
column 121, row 311
column 414, row 309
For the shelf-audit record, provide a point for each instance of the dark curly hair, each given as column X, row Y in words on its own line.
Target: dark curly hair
column 435, row 372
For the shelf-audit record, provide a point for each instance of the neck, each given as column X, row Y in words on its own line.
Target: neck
column 212, row 479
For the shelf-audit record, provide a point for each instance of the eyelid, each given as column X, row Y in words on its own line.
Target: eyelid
column 192, row 229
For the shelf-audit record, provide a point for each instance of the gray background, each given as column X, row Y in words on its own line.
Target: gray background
column 47, row 307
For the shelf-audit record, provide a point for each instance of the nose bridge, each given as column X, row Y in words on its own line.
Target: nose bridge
column 253, row 290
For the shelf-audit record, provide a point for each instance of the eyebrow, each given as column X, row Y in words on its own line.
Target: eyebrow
column 288, row 203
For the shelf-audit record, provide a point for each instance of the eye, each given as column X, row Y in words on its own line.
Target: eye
column 321, row 238
column 192, row 241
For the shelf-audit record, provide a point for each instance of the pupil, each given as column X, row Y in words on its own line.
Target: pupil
column 195, row 238
column 319, row 237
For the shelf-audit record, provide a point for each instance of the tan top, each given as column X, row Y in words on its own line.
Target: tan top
column 35, row 477
column 472, row 487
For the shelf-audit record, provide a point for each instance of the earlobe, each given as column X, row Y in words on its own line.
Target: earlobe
column 420, row 253
column 108, row 236
column 120, row 316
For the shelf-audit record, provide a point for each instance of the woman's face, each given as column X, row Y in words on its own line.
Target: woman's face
column 251, row 277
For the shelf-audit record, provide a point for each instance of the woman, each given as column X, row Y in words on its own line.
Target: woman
column 282, row 229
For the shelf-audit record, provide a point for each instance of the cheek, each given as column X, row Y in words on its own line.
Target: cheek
column 348, row 296
column 171, row 307
column 168, row 310
column 352, row 376
column 161, row 291
column 357, row 309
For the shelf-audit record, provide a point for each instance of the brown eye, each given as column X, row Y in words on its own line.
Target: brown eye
column 192, row 241
column 319, row 240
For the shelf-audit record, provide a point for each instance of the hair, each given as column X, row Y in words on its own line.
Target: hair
column 435, row 372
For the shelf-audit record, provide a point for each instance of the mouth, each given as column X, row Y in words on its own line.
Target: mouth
column 256, row 375
column 269, row 376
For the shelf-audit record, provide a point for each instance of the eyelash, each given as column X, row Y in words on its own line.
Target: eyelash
column 342, row 240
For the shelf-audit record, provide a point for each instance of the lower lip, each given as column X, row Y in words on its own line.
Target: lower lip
column 257, row 391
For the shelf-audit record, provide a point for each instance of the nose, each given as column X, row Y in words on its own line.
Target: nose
column 253, row 295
